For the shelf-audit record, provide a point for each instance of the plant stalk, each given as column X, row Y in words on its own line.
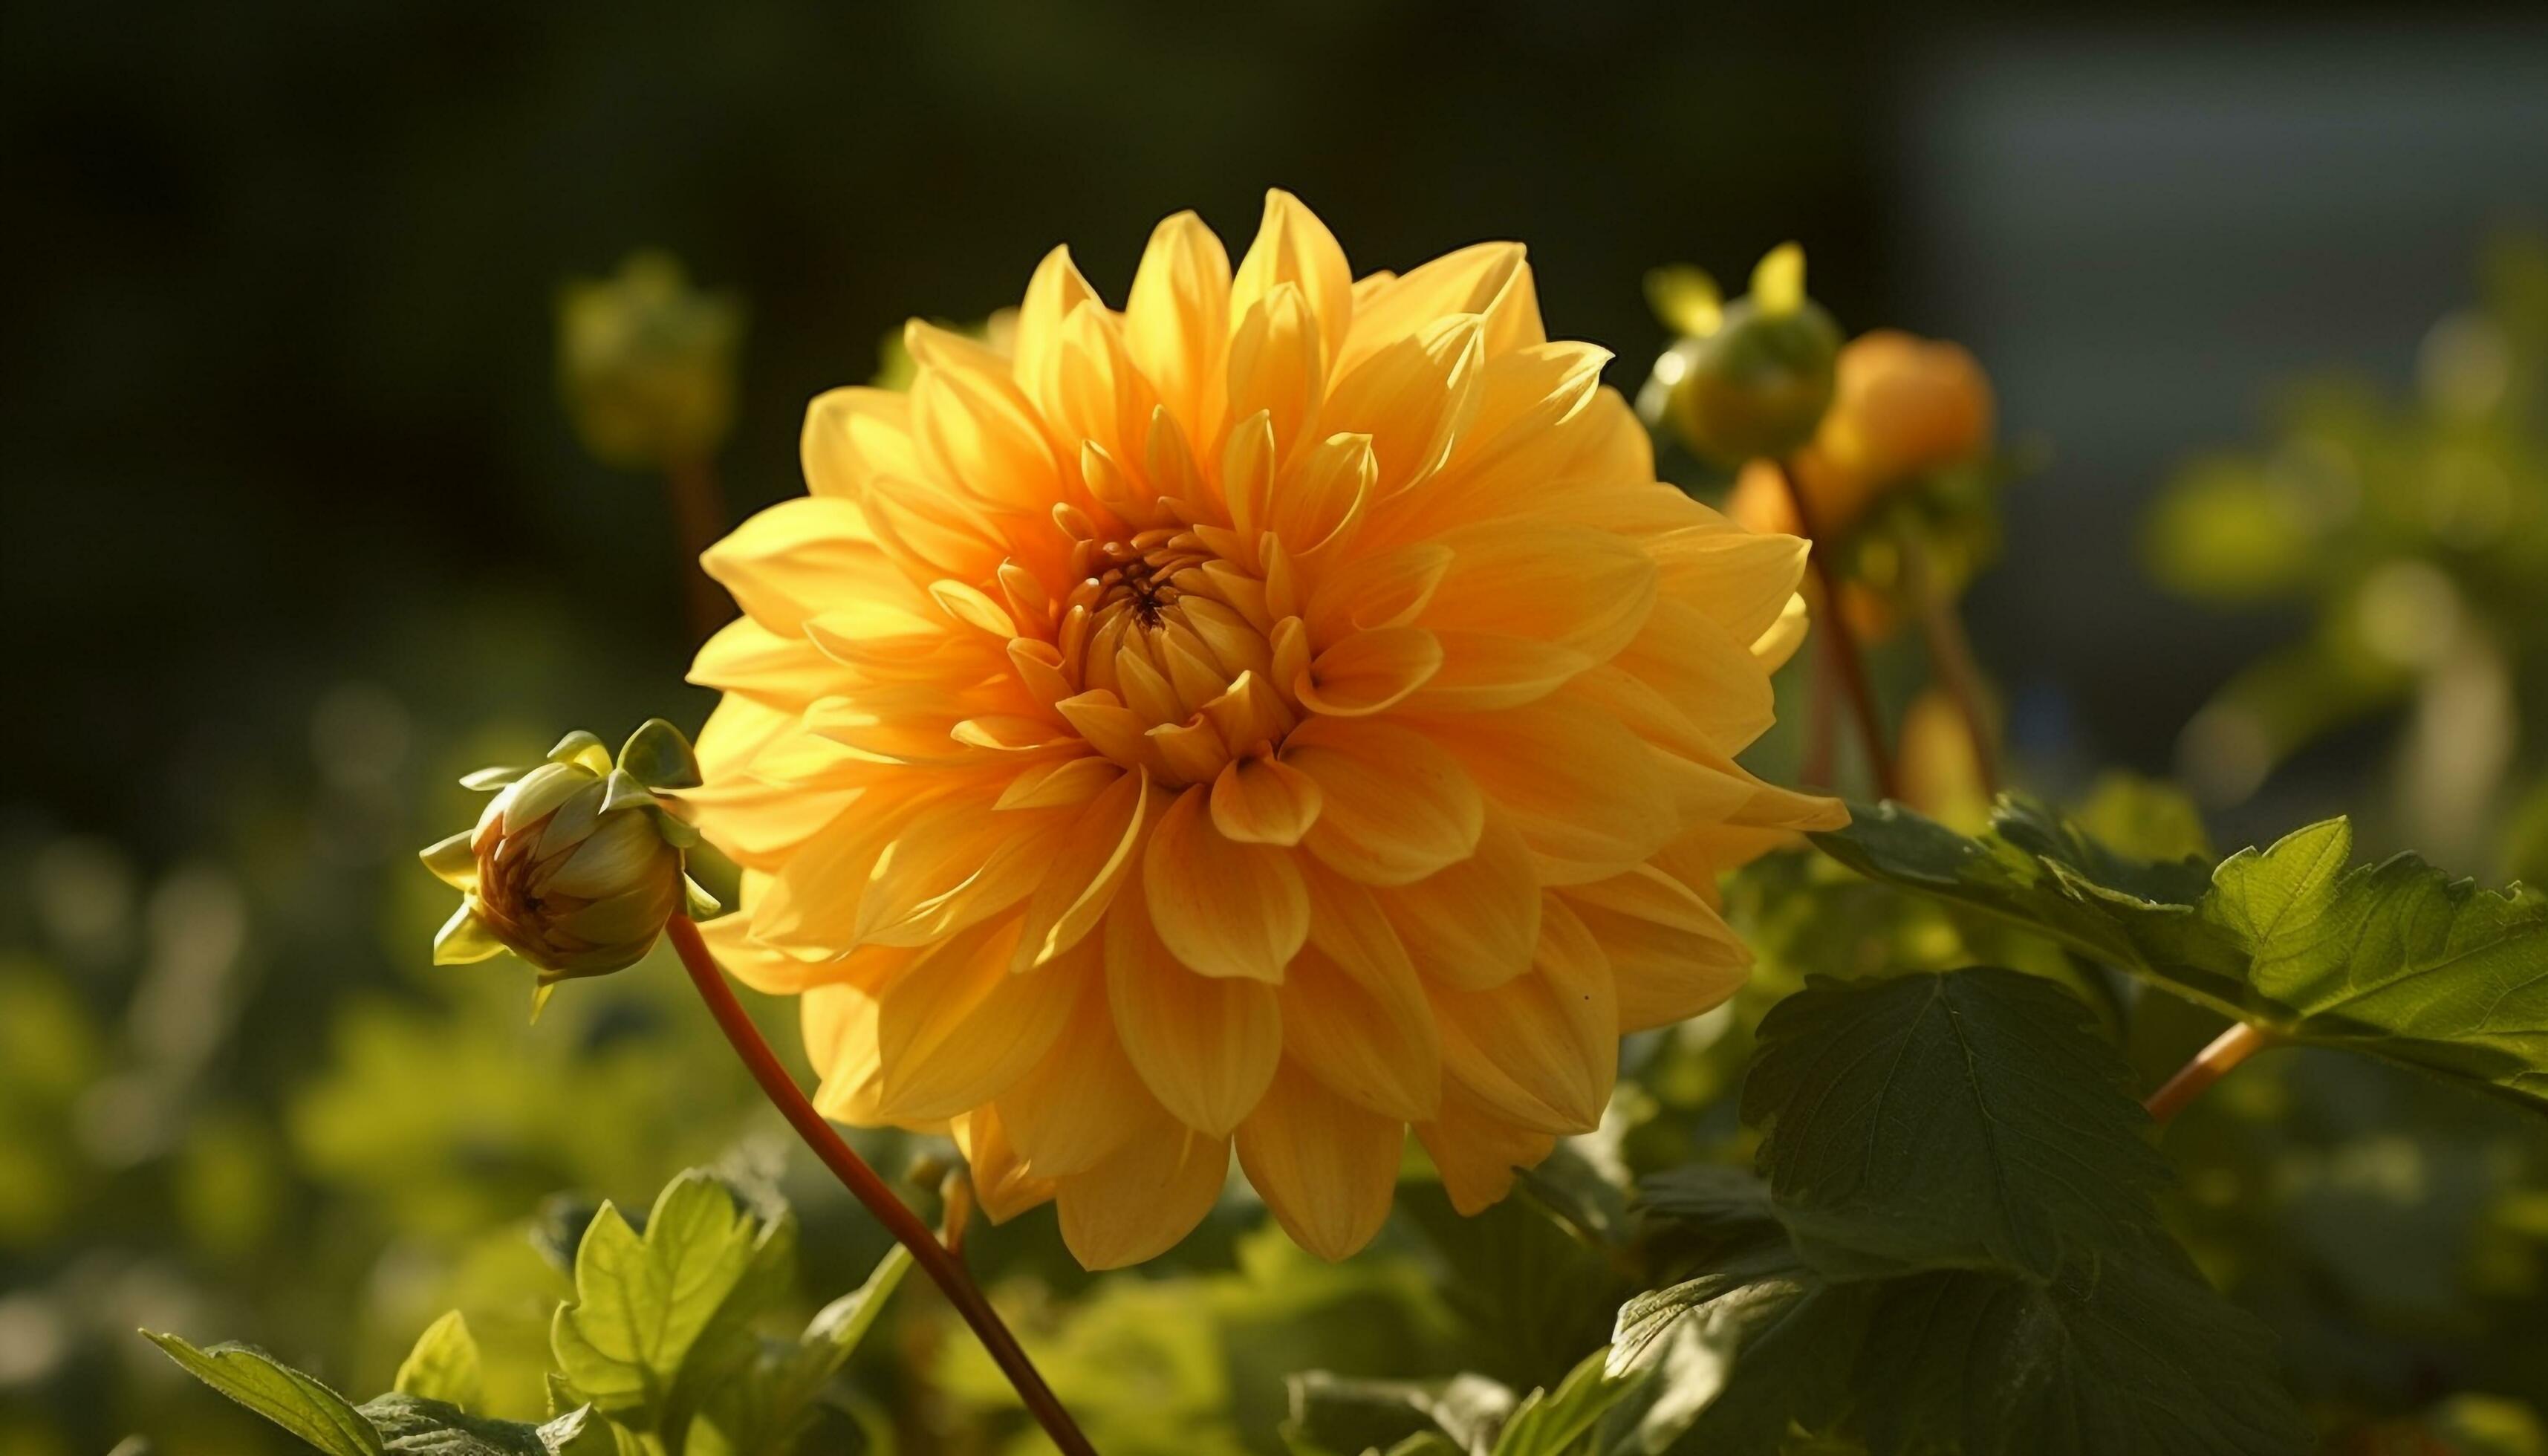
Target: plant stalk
column 2208, row 1065
column 942, row 1267
column 1843, row 644
column 1950, row 657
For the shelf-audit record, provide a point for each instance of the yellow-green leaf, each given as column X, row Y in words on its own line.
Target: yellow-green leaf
column 444, row 1365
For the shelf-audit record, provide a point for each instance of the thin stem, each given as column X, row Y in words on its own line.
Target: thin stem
column 697, row 507
column 1843, row 644
column 2231, row 1047
column 1820, row 736
column 942, row 1267
column 1950, row 657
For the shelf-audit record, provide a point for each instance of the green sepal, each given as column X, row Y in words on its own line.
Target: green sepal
column 464, row 938
column 675, row 831
column 584, row 751
column 498, row 777
column 660, row 757
column 453, row 861
column 540, row 996
column 621, row 790
column 697, row 903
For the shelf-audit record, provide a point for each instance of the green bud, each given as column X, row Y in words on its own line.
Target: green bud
column 577, row 863
column 647, row 364
column 1758, row 383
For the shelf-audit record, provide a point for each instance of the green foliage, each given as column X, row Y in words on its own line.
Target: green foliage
column 1974, row 1119
column 1971, row 1258
column 657, row 1351
column 444, row 1365
column 1466, row 1416
column 2397, row 958
column 298, row 1403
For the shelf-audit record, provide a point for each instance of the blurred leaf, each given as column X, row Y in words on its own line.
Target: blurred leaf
column 298, row 1403
column 642, row 1303
column 1748, row 1350
column 1971, row 1120
column 1552, row 1423
column 1535, row 1296
column 2397, row 958
column 444, row 1365
column 2228, row 531
column 1343, row 1417
column 767, row 1402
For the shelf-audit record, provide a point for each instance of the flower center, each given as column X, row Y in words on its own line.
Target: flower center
column 1177, row 636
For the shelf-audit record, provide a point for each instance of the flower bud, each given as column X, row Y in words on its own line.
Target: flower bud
column 1904, row 406
column 647, row 364
column 1755, row 387
column 577, row 863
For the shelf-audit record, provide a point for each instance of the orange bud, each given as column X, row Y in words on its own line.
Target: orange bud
column 1905, row 406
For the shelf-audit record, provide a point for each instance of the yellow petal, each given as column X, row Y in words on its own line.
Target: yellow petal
column 1474, row 924
column 1083, row 1099
column 839, row 1023
column 1002, row 1183
column 1542, row 1049
column 1263, row 801
column 1582, row 790
column 977, row 435
column 1353, row 1012
column 1144, row 1196
column 1053, row 295
column 1741, row 579
column 1485, row 670
column 1707, row 672
column 1294, row 247
column 1476, row 1152
column 956, row 1028
column 1586, row 590
column 853, row 436
column 1089, row 864
column 1223, row 907
column 1412, row 397
column 1275, row 366
column 1176, row 322
column 799, row 558
column 1369, row 672
column 1489, row 279
column 1397, row 807
column 1672, row 955
column 1205, row 1046
column 1386, row 590
column 1324, row 1166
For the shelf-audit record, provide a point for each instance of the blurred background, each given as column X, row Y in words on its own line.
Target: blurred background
column 295, row 528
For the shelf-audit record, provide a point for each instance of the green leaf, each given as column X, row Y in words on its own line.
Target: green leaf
column 1971, row 1120
column 1333, row 1414
column 444, row 1365
column 658, row 756
column 440, row 1429
column 1552, row 1423
column 2127, row 1355
column 2396, row 959
column 834, row 1333
column 1746, row 1352
column 642, row 1303
column 298, row 1403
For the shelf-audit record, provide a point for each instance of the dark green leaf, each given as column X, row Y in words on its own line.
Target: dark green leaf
column 2396, row 959
column 2127, row 1355
column 298, row 1403
column 1743, row 1354
column 1970, row 1119
column 439, row 1428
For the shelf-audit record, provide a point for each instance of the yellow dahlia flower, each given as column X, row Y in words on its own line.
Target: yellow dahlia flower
column 1279, row 714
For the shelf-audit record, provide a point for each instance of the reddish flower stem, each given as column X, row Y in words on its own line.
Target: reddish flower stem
column 1843, row 644
column 2208, row 1065
column 943, row 1268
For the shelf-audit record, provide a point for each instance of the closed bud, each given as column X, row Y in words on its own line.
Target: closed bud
column 1757, row 385
column 578, row 862
column 647, row 364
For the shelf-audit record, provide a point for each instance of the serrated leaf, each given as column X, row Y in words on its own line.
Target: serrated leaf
column 430, row 1428
column 1552, row 1423
column 1742, row 1353
column 1971, row 1119
column 2397, row 959
column 300, row 1404
column 444, row 1365
column 641, row 1305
